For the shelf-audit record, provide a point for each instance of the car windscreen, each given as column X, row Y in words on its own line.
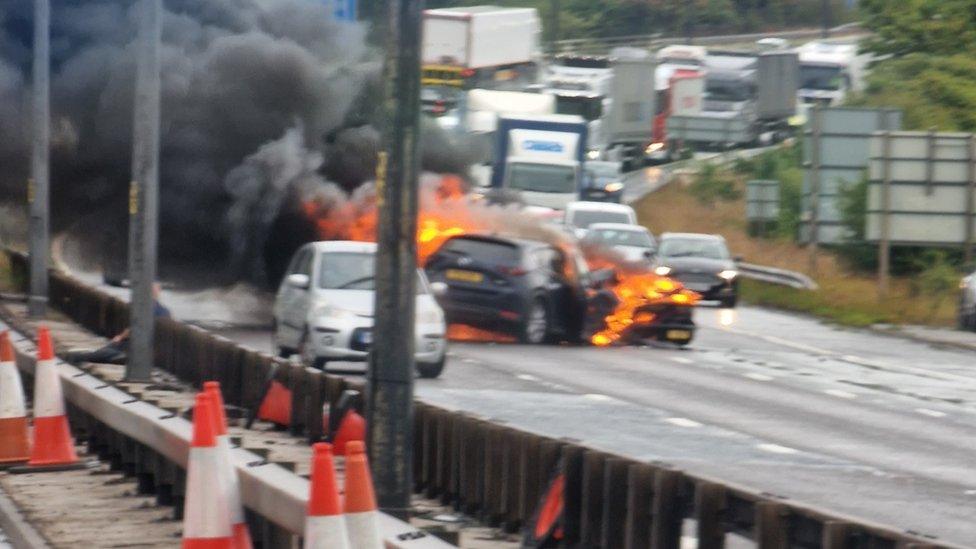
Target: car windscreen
column 352, row 271
column 616, row 237
column 728, row 90
column 585, row 218
column 542, row 178
column 815, row 77
column 485, row 251
column 693, row 247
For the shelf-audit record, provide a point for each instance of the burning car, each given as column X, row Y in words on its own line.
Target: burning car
column 527, row 288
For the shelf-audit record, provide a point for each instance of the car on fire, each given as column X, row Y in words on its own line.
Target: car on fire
column 528, row 288
column 544, row 292
column 324, row 308
column 702, row 263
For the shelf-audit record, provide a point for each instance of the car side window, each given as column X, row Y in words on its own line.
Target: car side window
column 305, row 264
column 296, row 261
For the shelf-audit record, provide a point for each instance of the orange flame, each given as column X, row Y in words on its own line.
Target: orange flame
column 464, row 332
column 635, row 291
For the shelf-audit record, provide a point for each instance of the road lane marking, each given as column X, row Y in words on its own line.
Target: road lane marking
column 758, row 377
column 681, row 360
column 840, row 394
column 776, row 449
column 930, row 413
column 683, row 422
column 597, row 397
column 527, row 377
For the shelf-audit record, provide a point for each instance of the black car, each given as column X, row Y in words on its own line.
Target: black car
column 602, row 182
column 701, row 262
column 529, row 288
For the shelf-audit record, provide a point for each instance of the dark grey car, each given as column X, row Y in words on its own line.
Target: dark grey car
column 702, row 263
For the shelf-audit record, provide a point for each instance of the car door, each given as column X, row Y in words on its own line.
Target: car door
column 295, row 300
column 552, row 263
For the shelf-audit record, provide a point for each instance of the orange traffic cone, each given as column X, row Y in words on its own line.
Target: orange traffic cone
column 360, row 505
column 206, row 518
column 231, row 484
column 276, row 405
column 14, row 438
column 54, row 449
column 325, row 528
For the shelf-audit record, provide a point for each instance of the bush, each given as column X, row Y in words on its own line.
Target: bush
column 713, row 185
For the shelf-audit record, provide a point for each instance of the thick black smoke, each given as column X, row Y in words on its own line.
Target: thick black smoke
column 256, row 96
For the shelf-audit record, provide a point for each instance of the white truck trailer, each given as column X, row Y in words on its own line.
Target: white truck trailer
column 480, row 47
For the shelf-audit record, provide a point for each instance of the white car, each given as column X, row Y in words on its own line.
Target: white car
column 580, row 215
column 634, row 242
column 324, row 308
column 967, row 303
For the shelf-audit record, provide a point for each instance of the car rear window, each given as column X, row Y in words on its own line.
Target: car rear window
column 499, row 253
column 585, row 218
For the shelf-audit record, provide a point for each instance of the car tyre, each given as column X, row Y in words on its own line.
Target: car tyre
column 535, row 328
column 306, row 355
column 729, row 302
column 431, row 370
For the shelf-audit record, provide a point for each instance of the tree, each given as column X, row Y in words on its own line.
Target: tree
column 938, row 27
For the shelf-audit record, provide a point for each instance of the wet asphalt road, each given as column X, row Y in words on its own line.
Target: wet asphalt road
column 851, row 421
column 873, row 426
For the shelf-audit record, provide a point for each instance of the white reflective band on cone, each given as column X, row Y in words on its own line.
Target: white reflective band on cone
column 364, row 530
column 229, row 481
column 11, row 392
column 205, row 515
column 326, row 532
column 48, row 401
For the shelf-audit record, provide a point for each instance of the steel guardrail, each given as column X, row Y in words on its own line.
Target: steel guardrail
column 773, row 275
column 498, row 471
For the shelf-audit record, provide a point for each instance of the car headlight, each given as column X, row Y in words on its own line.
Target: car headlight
column 614, row 187
column 728, row 274
column 430, row 316
column 332, row 312
column 593, row 155
column 654, row 147
column 662, row 270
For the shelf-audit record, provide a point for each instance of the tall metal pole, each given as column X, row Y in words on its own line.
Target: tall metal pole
column 38, row 193
column 815, row 152
column 144, row 193
column 391, row 373
column 884, row 245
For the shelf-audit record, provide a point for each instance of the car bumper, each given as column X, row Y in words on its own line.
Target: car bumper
column 671, row 323
column 352, row 340
column 601, row 196
column 711, row 291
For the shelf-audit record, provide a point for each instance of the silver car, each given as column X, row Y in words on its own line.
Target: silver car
column 967, row 303
column 324, row 308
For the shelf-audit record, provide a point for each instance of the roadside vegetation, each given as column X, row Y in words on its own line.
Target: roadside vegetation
column 580, row 19
column 923, row 290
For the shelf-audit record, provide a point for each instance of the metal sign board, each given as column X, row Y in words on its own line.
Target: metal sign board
column 762, row 200
column 920, row 190
column 835, row 153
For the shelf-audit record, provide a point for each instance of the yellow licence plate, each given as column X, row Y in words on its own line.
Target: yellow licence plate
column 678, row 334
column 464, row 276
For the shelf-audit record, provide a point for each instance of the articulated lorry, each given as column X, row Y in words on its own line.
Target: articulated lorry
column 828, row 72
column 615, row 95
column 539, row 159
column 749, row 98
column 480, row 47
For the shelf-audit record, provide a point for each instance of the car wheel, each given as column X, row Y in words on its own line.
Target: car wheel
column 729, row 302
column 307, row 353
column 431, row 370
column 535, row 329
